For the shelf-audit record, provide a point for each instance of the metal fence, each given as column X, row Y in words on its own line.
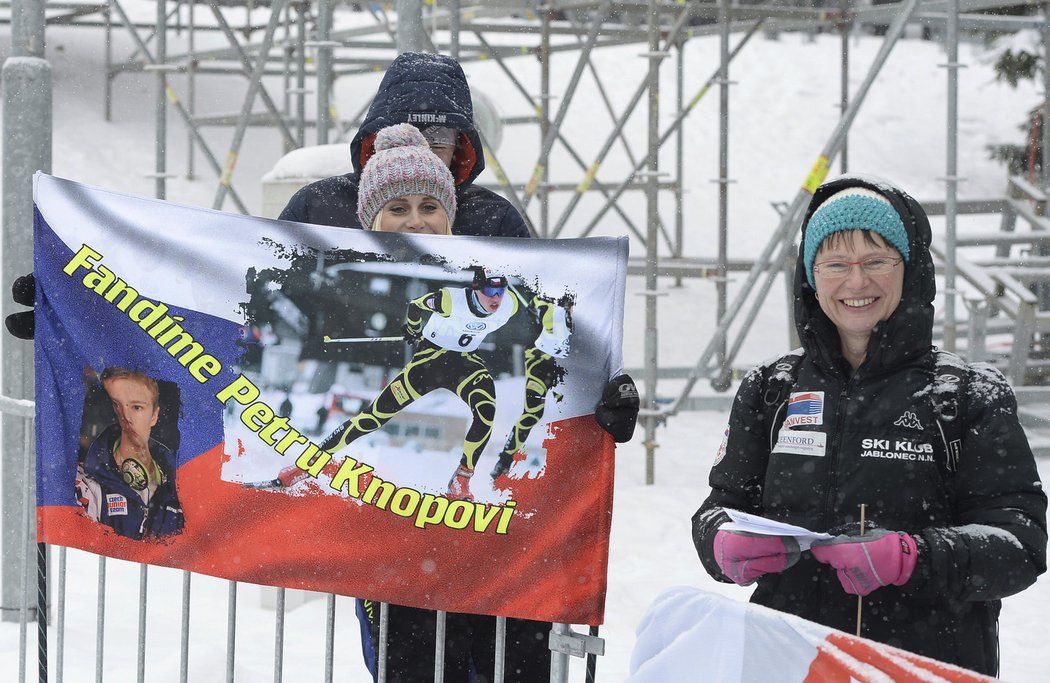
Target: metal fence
column 64, row 624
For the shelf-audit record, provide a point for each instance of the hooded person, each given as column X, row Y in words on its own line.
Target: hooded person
column 430, row 92
column 951, row 526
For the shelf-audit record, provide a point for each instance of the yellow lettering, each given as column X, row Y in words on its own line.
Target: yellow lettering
column 432, row 510
column 256, row 416
column 241, row 390
column 84, row 258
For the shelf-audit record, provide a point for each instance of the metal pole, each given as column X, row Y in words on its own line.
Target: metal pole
column 246, row 108
column 160, row 105
column 324, row 69
column 721, row 278
column 179, row 108
column 548, row 140
column 329, row 639
column 60, row 657
column 951, row 178
column 844, row 29
column 501, row 650
column 790, row 219
column 191, row 85
column 100, row 619
column 184, row 644
column 231, row 631
column 107, row 48
column 560, row 660
column 678, row 248
column 23, row 612
column 545, row 114
column 143, row 584
column 1042, row 290
column 651, row 242
column 278, row 644
column 617, row 132
column 384, row 633
column 610, row 202
column 26, row 85
column 453, row 28
column 410, row 31
column 300, row 73
column 440, row 632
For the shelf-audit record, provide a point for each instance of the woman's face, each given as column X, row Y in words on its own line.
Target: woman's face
column 856, row 302
column 416, row 213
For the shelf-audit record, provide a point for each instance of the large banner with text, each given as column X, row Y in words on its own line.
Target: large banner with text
column 407, row 419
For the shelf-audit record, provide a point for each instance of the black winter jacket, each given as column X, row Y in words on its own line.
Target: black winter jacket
column 417, row 88
column 120, row 506
column 980, row 530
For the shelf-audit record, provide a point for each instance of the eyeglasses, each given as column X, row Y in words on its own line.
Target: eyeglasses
column 493, row 291
column 876, row 265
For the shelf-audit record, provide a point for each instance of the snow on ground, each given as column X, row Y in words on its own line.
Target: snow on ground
column 783, row 108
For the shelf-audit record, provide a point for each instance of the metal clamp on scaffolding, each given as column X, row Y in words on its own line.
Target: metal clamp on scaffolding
column 577, row 644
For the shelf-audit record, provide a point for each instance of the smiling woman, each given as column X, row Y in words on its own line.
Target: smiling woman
column 850, row 423
column 405, row 187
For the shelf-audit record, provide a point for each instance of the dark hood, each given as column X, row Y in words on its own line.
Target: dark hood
column 909, row 329
column 420, row 87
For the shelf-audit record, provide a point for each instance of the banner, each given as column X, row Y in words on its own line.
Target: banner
column 691, row 635
column 235, row 396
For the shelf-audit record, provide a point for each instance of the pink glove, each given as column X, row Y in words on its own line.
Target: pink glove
column 864, row 563
column 744, row 557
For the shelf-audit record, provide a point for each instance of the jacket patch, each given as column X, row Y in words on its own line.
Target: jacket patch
column 908, row 420
column 116, row 505
column 801, row 443
column 897, row 449
column 805, row 408
column 722, row 448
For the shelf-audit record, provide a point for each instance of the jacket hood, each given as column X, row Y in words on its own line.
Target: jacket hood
column 424, row 88
column 909, row 329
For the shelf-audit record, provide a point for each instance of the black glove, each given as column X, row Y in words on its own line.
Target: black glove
column 617, row 412
column 23, row 324
column 411, row 335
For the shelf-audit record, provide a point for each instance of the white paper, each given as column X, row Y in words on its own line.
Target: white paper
column 743, row 521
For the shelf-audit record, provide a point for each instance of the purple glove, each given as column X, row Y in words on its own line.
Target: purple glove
column 864, row 563
column 744, row 557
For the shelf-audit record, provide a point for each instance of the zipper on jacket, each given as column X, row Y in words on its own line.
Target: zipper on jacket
column 840, row 422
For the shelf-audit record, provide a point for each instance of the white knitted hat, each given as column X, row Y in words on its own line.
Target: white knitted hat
column 402, row 165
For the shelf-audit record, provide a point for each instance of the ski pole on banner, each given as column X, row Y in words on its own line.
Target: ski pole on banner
column 360, row 340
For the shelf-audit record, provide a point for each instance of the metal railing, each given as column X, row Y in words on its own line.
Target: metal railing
column 35, row 605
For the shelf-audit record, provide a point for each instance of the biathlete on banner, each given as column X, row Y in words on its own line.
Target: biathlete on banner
column 542, row 374
column 459, row 319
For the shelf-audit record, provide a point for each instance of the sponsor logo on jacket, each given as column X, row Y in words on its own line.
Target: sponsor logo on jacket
column 897, row 449
column 116, row 504
column 805, row 408
column 426, row 117
column 909, row 420
column 801, row 443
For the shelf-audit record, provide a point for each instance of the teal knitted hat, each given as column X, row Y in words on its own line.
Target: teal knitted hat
column 855, row 208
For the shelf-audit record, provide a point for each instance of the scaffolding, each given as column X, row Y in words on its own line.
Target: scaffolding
column 299, row 41
column 310, row 45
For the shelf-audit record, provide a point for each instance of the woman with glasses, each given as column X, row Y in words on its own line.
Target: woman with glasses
column 844, row 436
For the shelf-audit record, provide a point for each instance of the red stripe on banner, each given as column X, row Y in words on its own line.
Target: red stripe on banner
column 839, row 654
column 551, row 565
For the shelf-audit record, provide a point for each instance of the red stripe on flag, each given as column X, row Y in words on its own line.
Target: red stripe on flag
column 551, row 566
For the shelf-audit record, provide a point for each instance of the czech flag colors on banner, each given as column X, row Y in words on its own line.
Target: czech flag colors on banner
column 691, row 635
column 235, row 396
